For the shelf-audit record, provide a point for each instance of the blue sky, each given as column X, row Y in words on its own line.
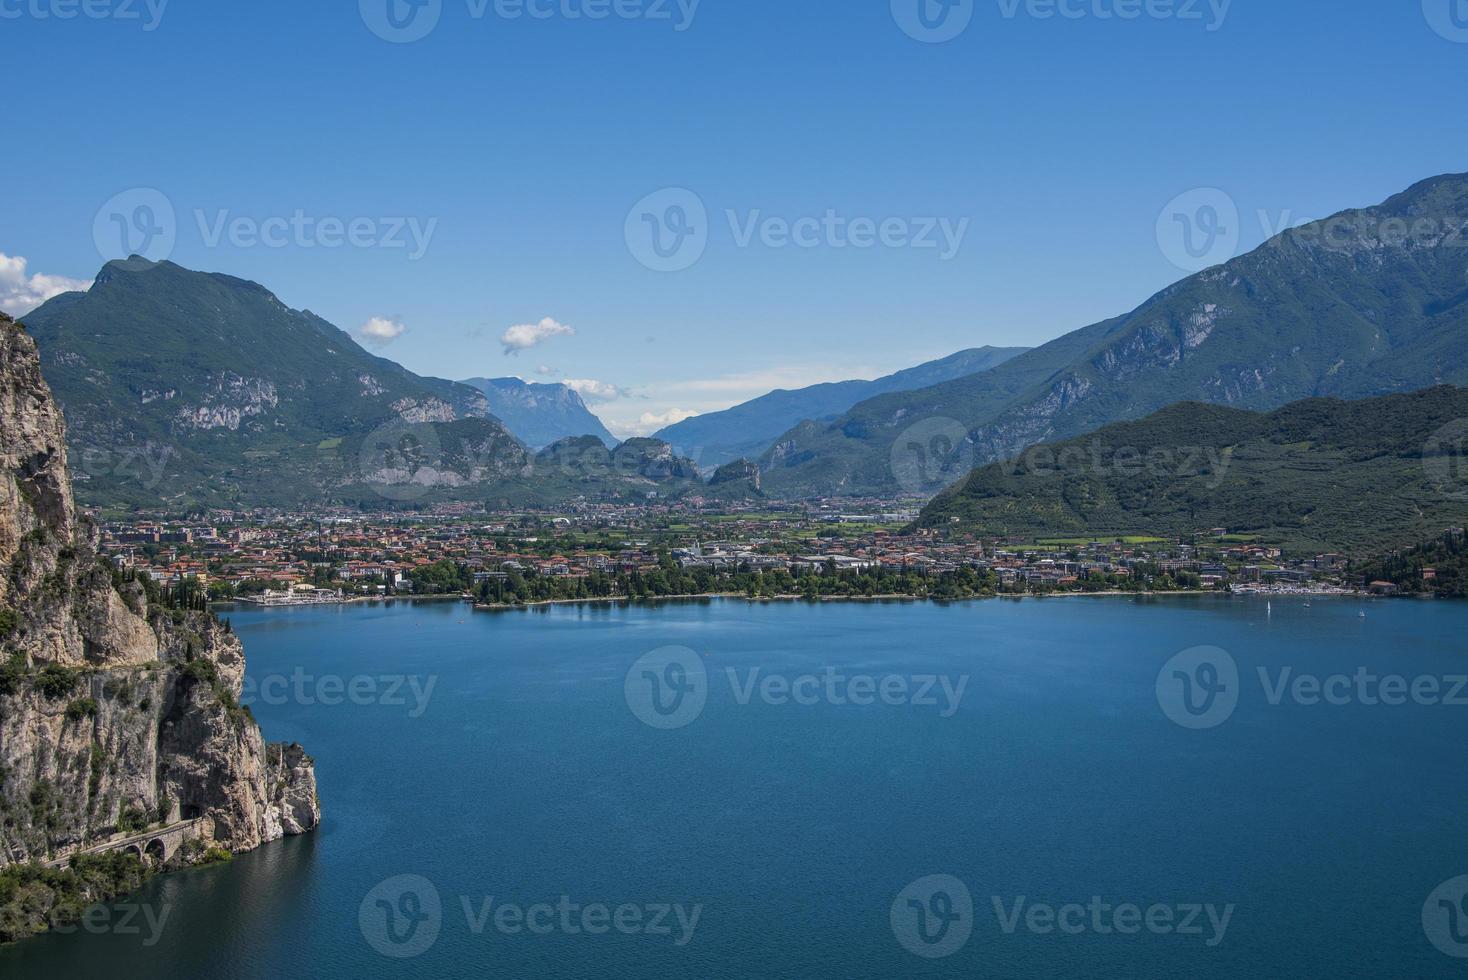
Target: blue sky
column 519, row 147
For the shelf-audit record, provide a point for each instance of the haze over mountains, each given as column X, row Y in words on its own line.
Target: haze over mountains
column 747, row 430
column 1365, row 303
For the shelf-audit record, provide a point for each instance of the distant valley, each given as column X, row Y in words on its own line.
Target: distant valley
column 185, row 389
column 747, row 430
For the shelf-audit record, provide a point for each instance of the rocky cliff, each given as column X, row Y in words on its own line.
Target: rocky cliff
column 118, row 700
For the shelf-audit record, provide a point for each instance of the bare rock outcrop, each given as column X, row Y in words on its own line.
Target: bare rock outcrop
column 119, row 701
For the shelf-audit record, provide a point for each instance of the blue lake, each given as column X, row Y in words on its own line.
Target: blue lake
column 1023, row 751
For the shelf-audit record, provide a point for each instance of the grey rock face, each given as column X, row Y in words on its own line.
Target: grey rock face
column 114, row 707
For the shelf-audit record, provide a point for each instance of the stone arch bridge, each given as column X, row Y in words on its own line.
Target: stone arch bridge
column 156, row 845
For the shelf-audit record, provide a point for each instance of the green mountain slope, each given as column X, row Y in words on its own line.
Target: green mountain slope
column 183, row 388
column 189, row 386
column 1365, row 303
column 749, row 429
column 1316, row 475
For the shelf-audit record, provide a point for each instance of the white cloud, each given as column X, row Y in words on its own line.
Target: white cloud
column 546, row 372
column 595, row 391
column 381, row 331
column 649, row 422
column 21, row 293
column 527, row 335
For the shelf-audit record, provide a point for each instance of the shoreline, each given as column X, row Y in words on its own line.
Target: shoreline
column 890, row 597
column 883, row 598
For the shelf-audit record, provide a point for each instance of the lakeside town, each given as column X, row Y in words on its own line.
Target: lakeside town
column 609, row 551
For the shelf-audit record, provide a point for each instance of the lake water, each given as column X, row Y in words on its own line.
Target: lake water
column 1044, row 817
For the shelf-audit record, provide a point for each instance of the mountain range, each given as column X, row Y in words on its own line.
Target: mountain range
column 1365, row 303
column 540, row 414
column 185, row 388
column 1316, row 475
column 747, row 430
